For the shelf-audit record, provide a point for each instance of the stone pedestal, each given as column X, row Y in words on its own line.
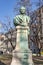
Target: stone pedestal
column 22, row 54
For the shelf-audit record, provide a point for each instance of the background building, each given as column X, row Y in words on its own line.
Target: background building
column 37, row 28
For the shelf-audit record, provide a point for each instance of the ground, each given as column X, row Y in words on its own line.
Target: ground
column 6, row 59
column 38, row 60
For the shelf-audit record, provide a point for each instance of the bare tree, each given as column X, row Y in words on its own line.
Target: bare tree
column 25, row 3
column 36, row 38
column 9, row 30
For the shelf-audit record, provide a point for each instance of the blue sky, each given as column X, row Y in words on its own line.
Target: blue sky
column 6, row 9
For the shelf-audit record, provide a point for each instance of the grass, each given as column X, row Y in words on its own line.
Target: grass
column 42, row 53
column 37, row 61
column 5, row 57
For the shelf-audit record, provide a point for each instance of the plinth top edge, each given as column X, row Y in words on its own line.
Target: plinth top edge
column 20, row 27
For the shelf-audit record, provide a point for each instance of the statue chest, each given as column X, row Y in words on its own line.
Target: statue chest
column 23, row 19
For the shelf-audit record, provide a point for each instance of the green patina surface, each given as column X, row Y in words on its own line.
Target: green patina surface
column 23, row 40
column 24, row 47
column 24, row 59
column 23, row 21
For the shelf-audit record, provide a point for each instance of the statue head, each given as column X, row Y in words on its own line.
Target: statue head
column 22, row 10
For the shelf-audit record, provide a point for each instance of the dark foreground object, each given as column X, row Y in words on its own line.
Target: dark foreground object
column 1, row 52
column 1, row 63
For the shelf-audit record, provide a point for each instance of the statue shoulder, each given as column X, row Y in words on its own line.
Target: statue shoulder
column 16, row 16
column 28, row 17
column 16, row 20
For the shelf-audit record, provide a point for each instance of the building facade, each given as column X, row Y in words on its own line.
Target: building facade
column 37, row 26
